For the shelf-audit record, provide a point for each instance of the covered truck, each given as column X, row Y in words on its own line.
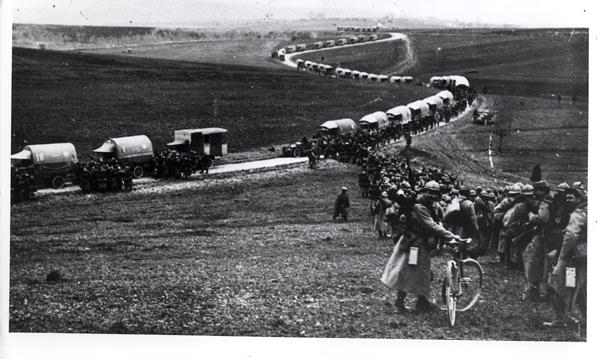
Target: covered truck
column 337, row 128
column 399, row 115
column 211, row 141
column 374, row 121
column 51, row 164
column 133, row 151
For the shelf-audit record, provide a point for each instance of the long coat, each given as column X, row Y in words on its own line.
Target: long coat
column 533, row 255
column 423, row 229
column 575, row 234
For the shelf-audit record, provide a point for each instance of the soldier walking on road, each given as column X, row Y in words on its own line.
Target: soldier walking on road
column 342, row 202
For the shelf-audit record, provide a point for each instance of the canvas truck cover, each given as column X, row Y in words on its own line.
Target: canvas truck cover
column 126, row 147
column 445, row 95
column 434, row 100
column 419, row 106
column 400, row 111
column 434, row 79
column 345, row 125
column 380, row 118
column 459, row 80
column 48, row 153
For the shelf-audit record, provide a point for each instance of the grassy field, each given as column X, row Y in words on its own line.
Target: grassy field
column 256, row 255
column 252, row 52
column 85, row 99
column 526, row 63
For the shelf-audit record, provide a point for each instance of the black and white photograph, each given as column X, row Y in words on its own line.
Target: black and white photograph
column 285, row 174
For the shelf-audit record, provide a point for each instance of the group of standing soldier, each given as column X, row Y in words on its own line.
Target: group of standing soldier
column 526, row 227
column 102, row 176
column 22, row 184
column 176, row 164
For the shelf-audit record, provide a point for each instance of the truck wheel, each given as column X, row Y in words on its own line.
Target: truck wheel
column 137, row 172
column 296, row 152
column 58, row 182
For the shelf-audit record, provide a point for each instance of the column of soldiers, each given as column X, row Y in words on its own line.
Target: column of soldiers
column 176, row 164
column 103, row 176
column 525, row 227
column 355, row 148
column 22, row 185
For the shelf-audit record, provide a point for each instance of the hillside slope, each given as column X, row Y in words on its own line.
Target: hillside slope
column 86, row 98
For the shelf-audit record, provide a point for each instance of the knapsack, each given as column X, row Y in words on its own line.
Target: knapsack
column 452, row 213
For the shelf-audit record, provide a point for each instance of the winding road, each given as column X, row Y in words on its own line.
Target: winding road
column 269, row 164
column 288, row 61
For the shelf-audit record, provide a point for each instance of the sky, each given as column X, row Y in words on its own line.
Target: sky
column 528, row 13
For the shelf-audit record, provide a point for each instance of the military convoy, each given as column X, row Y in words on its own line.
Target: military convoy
column 391, row 123
column 112, row 165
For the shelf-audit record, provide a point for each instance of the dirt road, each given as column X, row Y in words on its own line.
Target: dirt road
column 394, row 37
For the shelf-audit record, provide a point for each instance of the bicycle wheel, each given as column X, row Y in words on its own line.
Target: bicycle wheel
column 449, row 290
column 470, row 284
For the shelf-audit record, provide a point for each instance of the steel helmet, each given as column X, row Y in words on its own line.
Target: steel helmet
column 432, row 186
column 528, row 190
column 563, row 187
column 516, row 188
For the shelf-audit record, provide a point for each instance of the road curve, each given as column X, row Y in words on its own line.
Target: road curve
column 291, row 63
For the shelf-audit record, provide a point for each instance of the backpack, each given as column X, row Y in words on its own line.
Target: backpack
column 452, row 213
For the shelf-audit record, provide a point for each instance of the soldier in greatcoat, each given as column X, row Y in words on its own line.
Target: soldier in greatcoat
column 342, row 202
column 567, row 280
column 408, row 270
column 533, row 255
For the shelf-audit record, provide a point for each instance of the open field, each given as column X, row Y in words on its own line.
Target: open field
column 526, row 63
column 251, row 52
column 85, row 99
column 256, row 256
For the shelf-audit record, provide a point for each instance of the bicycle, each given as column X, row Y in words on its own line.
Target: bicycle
column 463, row 280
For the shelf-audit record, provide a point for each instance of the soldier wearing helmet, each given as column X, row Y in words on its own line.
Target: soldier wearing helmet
column 483, row 211
column 342, row 202
column 382, row 208
column 515, row 223
column 570, row 261
column 534, row 253
column 559, row 218
column 411, row 273
column 511, row 196
column 464, row 222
